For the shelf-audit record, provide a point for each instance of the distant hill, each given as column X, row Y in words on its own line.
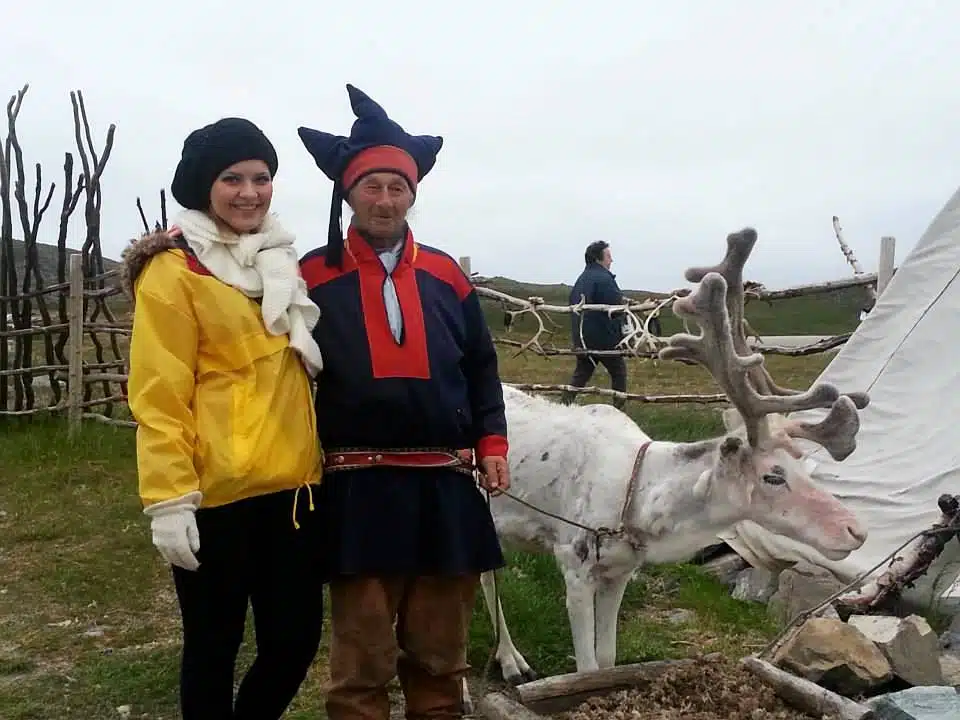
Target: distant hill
column 556, row 293
column 48, row 261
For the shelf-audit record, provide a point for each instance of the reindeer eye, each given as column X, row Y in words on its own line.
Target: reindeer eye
column 774, row 479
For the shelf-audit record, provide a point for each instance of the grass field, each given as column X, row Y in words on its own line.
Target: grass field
column 88, row 618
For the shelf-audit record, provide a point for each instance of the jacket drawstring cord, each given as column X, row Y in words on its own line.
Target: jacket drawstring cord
column 296, row 496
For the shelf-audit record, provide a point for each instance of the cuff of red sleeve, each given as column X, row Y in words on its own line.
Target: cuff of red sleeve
column 492, row 446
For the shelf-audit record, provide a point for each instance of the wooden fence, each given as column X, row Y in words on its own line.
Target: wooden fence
column 88, row 377
column 639, row 342
column 40, row 297
column 78, row 361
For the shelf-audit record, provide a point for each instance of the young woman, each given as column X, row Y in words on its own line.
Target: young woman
column 227, row 453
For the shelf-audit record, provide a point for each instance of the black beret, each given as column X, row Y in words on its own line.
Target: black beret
column 209, row 150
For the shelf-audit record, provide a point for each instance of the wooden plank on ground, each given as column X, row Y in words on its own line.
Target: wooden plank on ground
column 806, row 695
column 560, row 693
column 497, row 706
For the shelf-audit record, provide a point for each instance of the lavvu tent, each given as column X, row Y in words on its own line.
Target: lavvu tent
column 905, row 355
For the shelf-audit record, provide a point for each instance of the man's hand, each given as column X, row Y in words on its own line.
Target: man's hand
column 494, row 474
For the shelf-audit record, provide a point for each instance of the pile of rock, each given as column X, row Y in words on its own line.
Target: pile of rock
column 899, row 662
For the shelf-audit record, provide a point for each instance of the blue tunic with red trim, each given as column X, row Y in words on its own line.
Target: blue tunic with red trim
column 438, row 386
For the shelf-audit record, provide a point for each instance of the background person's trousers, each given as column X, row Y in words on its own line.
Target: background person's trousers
column 249, row 552
column 413, row 628
column 616, row 365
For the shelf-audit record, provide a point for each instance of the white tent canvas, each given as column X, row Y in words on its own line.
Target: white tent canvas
column 905, row 355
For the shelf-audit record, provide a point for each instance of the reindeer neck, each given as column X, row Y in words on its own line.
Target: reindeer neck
column 666, row 510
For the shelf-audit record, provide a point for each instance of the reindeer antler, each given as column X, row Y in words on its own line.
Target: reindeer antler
column 717, row 307
column 739, row 247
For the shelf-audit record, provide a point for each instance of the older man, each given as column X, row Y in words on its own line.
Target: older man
column 410, row 379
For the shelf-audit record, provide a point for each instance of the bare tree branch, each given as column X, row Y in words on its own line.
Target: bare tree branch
column 9, row 286
column 92, row 253
column 143, row 217
column 852, row 259
column 71, row 197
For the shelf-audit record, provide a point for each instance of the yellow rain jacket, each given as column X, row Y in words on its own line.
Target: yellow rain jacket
column 223, row 407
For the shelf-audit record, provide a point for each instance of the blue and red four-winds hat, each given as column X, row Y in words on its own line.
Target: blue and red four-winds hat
column 376, row 144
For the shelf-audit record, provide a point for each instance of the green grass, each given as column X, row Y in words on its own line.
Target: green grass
column 88, row 617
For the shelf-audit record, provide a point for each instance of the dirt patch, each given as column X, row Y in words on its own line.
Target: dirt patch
column 709, row 689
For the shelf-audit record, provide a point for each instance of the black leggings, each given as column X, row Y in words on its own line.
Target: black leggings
column 250, row 551
column 615, row 365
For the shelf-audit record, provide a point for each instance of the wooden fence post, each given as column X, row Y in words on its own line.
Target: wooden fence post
column 75, row 346
column 465, row 264
column 888, row 247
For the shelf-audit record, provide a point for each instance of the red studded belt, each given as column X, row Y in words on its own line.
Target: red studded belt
column 352, row 459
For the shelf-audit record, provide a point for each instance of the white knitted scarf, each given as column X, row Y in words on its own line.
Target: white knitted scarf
column 261, row 265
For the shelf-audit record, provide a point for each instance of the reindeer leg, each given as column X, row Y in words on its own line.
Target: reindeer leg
column 608, row 599
column 513, row 666
column 466, row 700
column 580, row 590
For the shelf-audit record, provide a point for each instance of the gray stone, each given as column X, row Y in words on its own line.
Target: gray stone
column 950, row 668
column 950, row 638
column 754, row 585
column 681, row 616
column 910, row 644
column 828, row 611
column 836, row 656
column 800, row 588
column 725, row 568
column 918, row 703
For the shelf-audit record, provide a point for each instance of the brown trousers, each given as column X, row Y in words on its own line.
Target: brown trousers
column 412, row 628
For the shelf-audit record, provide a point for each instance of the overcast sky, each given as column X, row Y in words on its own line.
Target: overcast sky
column 657, row 126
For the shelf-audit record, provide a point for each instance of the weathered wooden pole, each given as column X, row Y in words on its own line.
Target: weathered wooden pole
column 75, row 346
column 888, row 250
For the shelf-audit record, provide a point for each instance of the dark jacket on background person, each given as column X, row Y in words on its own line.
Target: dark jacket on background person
column 601, row 331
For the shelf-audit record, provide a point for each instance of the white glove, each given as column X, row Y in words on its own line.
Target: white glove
column 174, row 526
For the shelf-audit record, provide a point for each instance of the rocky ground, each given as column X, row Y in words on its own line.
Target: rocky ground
column 710, row 689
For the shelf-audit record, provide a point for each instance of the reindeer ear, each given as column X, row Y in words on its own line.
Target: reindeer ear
column 730, row 446
column 732, row 419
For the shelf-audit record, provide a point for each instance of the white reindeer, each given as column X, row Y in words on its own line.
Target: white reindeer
column 594, row 466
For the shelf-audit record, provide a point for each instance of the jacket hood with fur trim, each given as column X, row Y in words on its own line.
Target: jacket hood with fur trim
column 136, row 255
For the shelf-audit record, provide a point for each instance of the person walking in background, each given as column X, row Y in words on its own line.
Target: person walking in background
column 409, row 400
column 595, row 330
column 220, row 358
